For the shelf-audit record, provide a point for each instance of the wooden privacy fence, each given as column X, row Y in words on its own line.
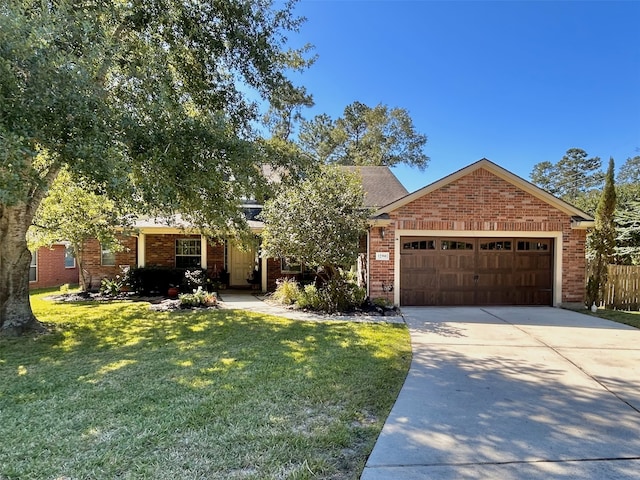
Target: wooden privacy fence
column 622, row 290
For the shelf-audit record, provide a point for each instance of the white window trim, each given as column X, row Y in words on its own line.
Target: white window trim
column 34, row 263
column 196, row 242
column 108, row 251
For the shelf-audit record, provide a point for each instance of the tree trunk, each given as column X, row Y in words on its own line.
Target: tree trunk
column 16, row 317
column 78, row 248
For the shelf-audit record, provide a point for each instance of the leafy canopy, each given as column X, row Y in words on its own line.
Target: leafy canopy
column 152, row 100
column 364, row 136
column 146, row 97
column 318, row 223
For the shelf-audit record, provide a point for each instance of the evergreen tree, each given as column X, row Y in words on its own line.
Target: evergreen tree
column 602, row 240
column 572, row 177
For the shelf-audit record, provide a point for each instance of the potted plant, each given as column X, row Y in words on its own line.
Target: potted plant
column 254, row 279
column 173, row 291
column 223, row 277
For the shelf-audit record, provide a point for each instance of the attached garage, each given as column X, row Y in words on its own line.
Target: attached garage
column 476, row 271
column 480, row 236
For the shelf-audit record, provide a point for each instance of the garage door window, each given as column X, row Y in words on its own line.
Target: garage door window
column 499, row 245
column 455, row 245
column 532, row 245
column 419, row 245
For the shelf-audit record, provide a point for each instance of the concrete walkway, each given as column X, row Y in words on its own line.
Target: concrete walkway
column 514, row 393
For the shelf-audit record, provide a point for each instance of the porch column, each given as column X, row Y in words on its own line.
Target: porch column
column 203, row 251
column 141, row 249
column 263, row 280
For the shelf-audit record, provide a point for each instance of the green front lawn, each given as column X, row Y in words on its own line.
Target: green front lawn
column 620, row 316
column 119, row 391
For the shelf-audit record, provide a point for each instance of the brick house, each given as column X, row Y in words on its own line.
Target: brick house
column 480, row 236
column 53, row 266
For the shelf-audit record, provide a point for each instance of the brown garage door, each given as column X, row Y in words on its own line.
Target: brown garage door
column 475, row 271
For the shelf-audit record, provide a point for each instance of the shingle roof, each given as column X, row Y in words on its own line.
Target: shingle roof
column 380, row 185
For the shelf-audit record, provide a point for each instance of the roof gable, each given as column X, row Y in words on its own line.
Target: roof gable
column 499, row 172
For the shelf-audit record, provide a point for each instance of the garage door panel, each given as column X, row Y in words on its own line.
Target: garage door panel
column 455, row 298
column 476, row 271
column 422, row 296
column 487, row 261
column 495, row 297
column 495, row 279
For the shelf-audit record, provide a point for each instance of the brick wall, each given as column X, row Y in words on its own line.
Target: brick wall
column 92, row 264
column 159, row 251
column 274, row 273
column 51, row 271
column 481, row 201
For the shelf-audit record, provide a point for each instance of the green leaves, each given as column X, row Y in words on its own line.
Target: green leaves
column 572, row 177
column 151, row 101
column 365, row 136
column 320, row 222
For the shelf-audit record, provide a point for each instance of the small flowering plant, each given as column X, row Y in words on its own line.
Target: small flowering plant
column 199, row 298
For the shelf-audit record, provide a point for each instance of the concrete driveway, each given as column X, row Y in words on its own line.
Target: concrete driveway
column 514, row 393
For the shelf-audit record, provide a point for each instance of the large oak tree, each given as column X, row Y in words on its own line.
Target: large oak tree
column 148, row 99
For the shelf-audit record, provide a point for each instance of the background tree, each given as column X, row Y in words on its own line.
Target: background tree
column 544, row 175
column 364, row 136
column 319, row 223
column 285, row 112
column 628, row 213
column 146, row 99
column 630, row 171
column 574, row 178
column 75, row 213
column 602, row 240
column 628, row 228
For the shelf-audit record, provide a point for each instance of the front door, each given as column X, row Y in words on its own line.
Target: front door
column 242, row 264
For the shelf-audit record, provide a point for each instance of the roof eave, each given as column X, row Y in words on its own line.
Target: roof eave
column 582, row 224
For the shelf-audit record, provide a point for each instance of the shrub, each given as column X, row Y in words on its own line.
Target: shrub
column 287, row 291
column 109, row 287
column 341, row 295
column 152, row 279
column 112, row 286
column 382, row 302
column 198, row 298
column 309, row 298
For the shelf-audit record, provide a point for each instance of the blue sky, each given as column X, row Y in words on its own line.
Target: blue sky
column 517, row 82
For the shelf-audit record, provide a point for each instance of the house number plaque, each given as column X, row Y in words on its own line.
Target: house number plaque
column 382, row 256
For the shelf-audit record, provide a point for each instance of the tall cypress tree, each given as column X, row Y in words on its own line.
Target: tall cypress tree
column 603, row 239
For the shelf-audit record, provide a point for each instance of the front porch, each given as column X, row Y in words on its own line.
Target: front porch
column 237, row 266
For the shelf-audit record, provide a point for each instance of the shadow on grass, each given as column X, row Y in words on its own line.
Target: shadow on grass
column 123, row 391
